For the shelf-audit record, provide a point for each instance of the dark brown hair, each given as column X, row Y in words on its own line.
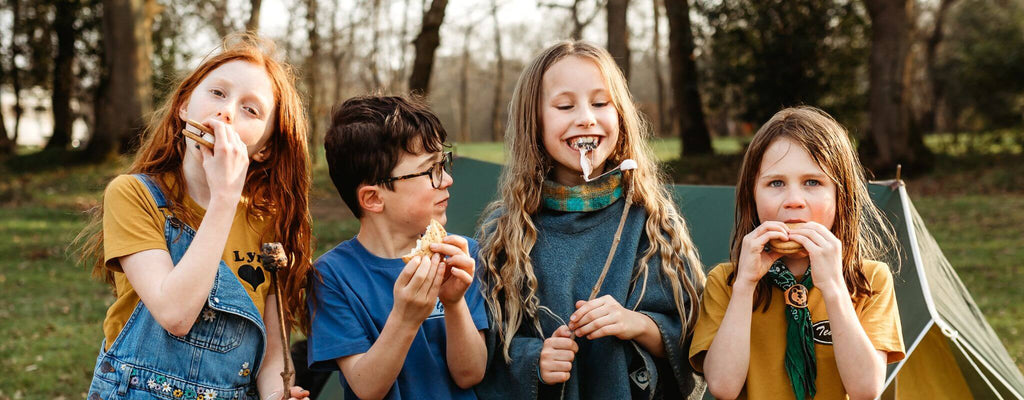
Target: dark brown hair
column 368, row 135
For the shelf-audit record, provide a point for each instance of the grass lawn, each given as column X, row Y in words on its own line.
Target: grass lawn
column 52, row 311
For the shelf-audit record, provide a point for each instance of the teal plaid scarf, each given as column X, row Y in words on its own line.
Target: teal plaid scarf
column 588, row 196
column 800, row 362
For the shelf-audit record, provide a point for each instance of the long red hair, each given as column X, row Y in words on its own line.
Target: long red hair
column 276, row 188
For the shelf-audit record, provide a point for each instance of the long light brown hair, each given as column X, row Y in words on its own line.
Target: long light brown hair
column 510, row 281
column 859, row 225
column 276, row 188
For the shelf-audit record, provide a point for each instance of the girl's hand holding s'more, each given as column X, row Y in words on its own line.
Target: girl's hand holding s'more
column 227, row 164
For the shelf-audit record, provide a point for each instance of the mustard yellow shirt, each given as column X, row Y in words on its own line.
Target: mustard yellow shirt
column 766, row 375
column 133, row 223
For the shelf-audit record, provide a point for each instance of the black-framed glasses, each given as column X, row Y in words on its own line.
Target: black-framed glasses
column 436, row 172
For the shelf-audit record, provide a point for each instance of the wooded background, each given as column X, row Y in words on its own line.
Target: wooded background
column 892, row 71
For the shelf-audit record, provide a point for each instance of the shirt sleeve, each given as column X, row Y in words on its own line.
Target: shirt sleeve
column 131, row 221
column 475, row 294
column 712, row 309
column 337, row 329
column 879, row 314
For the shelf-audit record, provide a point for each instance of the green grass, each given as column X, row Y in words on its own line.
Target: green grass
column 52, row 311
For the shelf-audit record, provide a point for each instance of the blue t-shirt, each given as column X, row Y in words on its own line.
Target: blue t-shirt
column 352, row 304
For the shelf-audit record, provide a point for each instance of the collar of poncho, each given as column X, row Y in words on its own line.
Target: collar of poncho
column 589, row 196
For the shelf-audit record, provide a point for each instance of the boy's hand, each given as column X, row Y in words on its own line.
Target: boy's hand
column 416, row 289
column 458, row 266
column 556, row 356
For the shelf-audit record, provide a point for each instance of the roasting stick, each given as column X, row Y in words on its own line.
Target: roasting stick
column 274, row 259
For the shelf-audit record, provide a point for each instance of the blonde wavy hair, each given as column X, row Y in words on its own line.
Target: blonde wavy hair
column 508, row 237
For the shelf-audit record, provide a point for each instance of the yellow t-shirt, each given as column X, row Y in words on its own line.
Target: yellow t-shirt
column 133, row 223
column 766, row 375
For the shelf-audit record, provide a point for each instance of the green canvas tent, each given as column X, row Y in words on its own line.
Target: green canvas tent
column 952, row 352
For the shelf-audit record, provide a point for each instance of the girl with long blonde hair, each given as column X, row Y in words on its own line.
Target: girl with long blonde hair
column 803, row 309
column 179, row 234
column 545, row 239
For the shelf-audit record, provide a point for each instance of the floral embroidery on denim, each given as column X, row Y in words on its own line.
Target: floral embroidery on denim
column 166, row 387
column 152, row 384
column 210, row 394
column 208, row 314
column 245, row 371
column 178, row 393
column 190, row 394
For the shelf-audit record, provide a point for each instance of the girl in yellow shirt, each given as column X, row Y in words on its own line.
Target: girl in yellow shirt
column 817, row 322
column 180, row 234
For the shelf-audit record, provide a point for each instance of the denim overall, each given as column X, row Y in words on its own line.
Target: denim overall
column 218, row 359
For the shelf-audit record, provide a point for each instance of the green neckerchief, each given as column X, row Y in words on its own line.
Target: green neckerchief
column 589, row 196
column 800, row 362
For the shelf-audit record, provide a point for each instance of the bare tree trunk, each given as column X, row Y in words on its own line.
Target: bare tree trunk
column 217, row 12
column 692, row 127
column 254, row 16
column 15, row 73
column 618, row 34
column 374, row 59
column 6, row 144
column 577, row 25
column 124, row 94
column 664, row 125
column 935, row 89
column 63, row 75
column 338, row 55
column 403, row 68
column 499, row 81
column 426, row 44
column 889, row 124
column 464, row 131
column 313, row 78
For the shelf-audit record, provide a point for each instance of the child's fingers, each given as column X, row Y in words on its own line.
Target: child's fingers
column 410, row 268
column 462, row 262
column 430, row 276
column 588, row 317
column 458, row 241
column 562, row 343
column 582, row 310
column 420, row 276
column 449, row 250
column 594, row 324
column 462, row 275
column 562, row 331
column 607, row 330
column 810, row 239
column 760, row 241
column 298, row 393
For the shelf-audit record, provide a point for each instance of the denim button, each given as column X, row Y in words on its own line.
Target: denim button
column 216, row 300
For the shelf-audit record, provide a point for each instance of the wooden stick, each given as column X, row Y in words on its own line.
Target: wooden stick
column 611, row 252
column 274, row 259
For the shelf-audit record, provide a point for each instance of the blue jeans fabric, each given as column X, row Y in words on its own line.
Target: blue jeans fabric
column 218, row 359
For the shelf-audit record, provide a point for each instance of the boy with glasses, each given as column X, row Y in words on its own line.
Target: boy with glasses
column 395, row 330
